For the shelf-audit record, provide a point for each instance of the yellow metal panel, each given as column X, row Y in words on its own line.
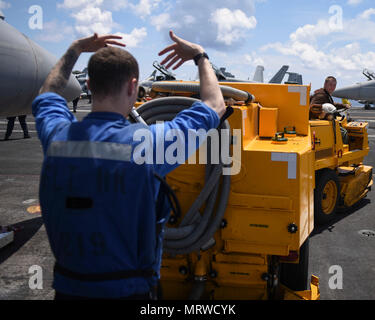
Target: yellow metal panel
column 170, row 268
column 356, row 127
column 354, row 187
column 298, row 144
column 243, row 246
column 291, row 100
column 235, row 274
column 267, row 230
column 312, row 294
column 306, row 204
column 326, row 163
column 176, row 290
column 245, row 118
column 267, row 122
column 324, row 135
column 238, row 292
column 241, row 258
column 260, row 202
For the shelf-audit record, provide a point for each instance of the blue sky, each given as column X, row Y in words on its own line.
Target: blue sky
column 316, row 38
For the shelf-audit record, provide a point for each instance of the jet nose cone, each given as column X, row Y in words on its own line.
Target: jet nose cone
column 361, row 91
column 24, row 66
column 73, row 89
column 350, row 92
column 45, row 63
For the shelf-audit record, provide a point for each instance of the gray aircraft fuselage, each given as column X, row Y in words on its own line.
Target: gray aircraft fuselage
column 364, row 91
column 24, row 66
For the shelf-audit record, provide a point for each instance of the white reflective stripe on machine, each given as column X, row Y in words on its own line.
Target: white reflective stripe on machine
column 302, row 91
column 90, row 149
column 291, row 158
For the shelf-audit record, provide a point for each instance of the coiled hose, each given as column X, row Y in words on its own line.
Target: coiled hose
column 195, row 230
column 182, row 87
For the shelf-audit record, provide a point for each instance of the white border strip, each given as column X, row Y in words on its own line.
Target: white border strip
column 291, row 158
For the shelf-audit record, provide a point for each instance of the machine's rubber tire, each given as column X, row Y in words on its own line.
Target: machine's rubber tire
column 295, row 276
column 326, row 196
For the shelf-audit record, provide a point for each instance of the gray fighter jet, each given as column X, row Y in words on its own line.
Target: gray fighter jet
column 24, row 66
column 370, row 75
column 363, row 92
column 294, row 78
column 162, row 74
column 159, row 74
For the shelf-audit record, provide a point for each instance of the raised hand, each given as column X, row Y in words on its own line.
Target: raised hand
column 59, row 75
column 182, row 51
column 94, row 43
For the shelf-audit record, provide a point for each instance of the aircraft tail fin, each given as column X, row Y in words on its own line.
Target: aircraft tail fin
column 294, row 78
column 279, row 76
column 258, row 75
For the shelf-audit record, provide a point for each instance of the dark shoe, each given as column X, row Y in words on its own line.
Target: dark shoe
column 6, row 138
column 26, row 136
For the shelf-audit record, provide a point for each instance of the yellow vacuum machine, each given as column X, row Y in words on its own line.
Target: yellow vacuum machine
column 245, row 218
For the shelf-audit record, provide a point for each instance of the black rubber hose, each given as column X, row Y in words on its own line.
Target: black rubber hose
column 195, row 230
column 210, row 222
column 182, row 87
column 172, row 199
column 197, row 291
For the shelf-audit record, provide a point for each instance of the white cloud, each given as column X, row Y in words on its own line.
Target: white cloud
column 361, row 28
column 93, row 19
column 354, row 2
column 307, row 53
column 133, row 39
column 96, row 16
column 163, row 21
column 4, row 5
column 54, row 31
column 232, row 25
column 144, row 7
column 252, row 59
column 116, row 5
column 217, row 24
column 367, row 14
column 73, row 4
column 311, row 32
column 321, row 49
column 89, row 16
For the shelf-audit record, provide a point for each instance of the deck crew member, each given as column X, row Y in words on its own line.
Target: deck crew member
column 98, row 205
column 321, row 100
column 10, row 126
column 323, row 96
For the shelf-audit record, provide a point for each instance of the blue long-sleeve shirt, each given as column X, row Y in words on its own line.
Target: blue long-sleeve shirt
column 99, row 162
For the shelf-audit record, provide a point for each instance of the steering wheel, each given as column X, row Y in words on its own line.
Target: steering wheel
column 343, row 113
